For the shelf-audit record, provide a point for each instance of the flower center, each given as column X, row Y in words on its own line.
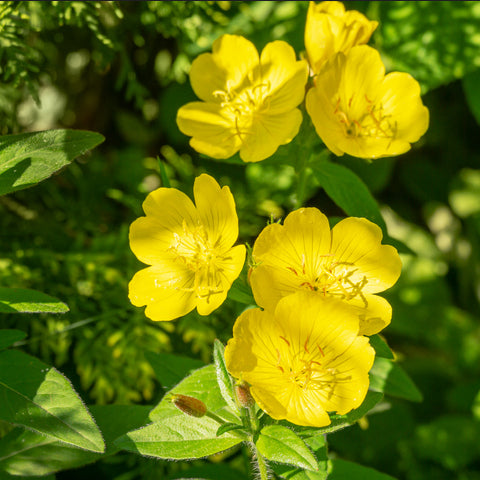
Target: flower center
column 333, row 278
column 372, row 122
column 194, row 250
column 243, row 103
column 307, row 368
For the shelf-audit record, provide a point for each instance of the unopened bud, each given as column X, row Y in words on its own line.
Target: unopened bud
column 244, row 397
column 189, row 405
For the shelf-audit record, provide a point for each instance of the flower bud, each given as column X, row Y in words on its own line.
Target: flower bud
column 189, row 405
column 244, row 397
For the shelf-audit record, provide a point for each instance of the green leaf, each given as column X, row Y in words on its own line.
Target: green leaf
column 388, row 377
column 202, row 385
column 227, row 427
column 381, row 347
column 280, row 444
column 341, row 421
column 343, row 470
column 176, row 436
column 23, row 300
column 223, row 377
column 241, row 292
column 209, row 470
column 25, row 453
column 318, row 446
column 348, row 191
column 472, row 92
column 28, row 158
column 436, row 42
column 9, row 337
column 170, row 369
column 36, row 396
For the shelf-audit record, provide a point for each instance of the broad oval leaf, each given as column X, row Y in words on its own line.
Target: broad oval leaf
column 388, row 377
column 343, row 470
column 176, row 436
column 9, row 337
column 24, row 300
column 28, row 158
column 280, row 444
column 381, row 347
column 26, row 453
column 348, row 191
column 38, row 397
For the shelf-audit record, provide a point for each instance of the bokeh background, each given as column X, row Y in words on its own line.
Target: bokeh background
column 121, row 69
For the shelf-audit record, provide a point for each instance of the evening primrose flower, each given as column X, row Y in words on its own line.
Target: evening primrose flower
column 302, row 360
column 330, row 29
column 358, row 110
column 248, row 101
column 348, row 263
column 193, row 263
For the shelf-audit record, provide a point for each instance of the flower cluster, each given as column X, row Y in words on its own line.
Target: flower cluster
column 249, row 101
column 306, row 353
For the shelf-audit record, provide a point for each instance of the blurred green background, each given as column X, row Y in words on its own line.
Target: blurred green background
column 121, row 69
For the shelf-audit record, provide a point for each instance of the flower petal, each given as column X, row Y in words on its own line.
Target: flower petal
column 374, row 315
column 227, row 269
column 216, row 209
column 212, row 129
column 229, row 64
column 285, row 76
column 268, row 132
column 289, row 253
column 400, row 95
column 166, row 290
column 151, row 236
column 356, row 241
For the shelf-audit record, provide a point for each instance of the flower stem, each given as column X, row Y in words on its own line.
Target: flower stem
column 262, row 466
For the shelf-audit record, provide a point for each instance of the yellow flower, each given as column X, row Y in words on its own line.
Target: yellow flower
column 189, row 249
column 348, row 263
column 358, row 110
column 248, row 102
column 302, row 360
column 330, row 29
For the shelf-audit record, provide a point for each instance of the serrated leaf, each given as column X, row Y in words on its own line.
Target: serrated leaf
column 28, row 158
column 381, row 347
column 280, row 444
column 170, row 369
column 9, row 337
column 175, row 436
column 343, row 470
column 38, row 397
column 24, row 300
column 388, row 377
column 436, row 42
column 223, row 377
column 348, row 191
column 25, row 453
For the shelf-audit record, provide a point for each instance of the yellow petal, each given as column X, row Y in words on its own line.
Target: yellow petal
column 216, row 209
column 227, row 269
column 267, row 133
column 374, row 313
column 400, row 95
column 356, row 241
column 166, row 209
column 212, row 129
column 166, row 290
column 229, row 64
column 285, row 76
